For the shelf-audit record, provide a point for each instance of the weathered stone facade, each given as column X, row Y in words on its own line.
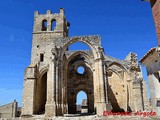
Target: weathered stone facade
column 52, row 82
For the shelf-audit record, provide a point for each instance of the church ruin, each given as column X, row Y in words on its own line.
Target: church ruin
column 52, row 81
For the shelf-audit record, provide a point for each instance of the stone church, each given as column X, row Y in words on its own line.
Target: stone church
column 51, row 81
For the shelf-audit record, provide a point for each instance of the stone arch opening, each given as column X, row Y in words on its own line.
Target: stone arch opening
column 120, row 65
column 94, row 50
column 41, row 94
column 78, row 46
column 53, row 25
column 79, row 82
column 80, row 96
column 82, row 102
column 44, row 25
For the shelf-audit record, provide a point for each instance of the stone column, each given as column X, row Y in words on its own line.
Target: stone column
column 14, row 113
column 96, row 86
column 65, row 92
column 50, row 110
column 99, row 88
column 105, row 84
column 56, row 86
column 137, row 96
column 130, row 95
column 102, row 103
column 61, row 87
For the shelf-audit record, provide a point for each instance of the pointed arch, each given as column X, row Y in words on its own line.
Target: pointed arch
column 80, row 53
column 115, row 73
column 118, row 64
column 41, row 93
column 42, row 71
column 84, row 40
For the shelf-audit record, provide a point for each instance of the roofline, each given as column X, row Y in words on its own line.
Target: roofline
column 147, row 54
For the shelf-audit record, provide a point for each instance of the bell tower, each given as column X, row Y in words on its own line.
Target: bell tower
column 38, row 93
column 47, row 28
column 49, row 23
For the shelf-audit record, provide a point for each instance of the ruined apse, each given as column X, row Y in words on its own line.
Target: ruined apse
column 51, row 81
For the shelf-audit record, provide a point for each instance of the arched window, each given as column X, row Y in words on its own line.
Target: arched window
column 80, row 96
column 53, row 24
column 44, row 25
column 82, row 102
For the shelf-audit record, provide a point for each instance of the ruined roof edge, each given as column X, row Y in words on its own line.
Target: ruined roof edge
column 146, row 55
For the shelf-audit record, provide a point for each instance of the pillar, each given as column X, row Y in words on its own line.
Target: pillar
column 50, row 108
column 137, row 91
column 99, row 89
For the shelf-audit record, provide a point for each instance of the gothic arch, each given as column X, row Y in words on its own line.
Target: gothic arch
column 41, row 93
column 113, row 71
column 79, row 52
column 127, row 75
column 42, row 71
column 89, row 59
column 118, row 95
column 117, row 92
column 118, row 64
column 96, row 54
column 79, row 82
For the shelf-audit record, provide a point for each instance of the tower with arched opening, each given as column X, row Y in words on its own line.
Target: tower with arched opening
column 52, row 80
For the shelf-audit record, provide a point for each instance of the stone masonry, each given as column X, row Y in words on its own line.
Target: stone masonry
column 9, row 111
column 51, row 81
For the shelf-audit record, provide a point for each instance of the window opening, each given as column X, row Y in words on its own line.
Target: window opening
column 80, row 70
column 41, row 57
column 53, row 25
column 44, row 25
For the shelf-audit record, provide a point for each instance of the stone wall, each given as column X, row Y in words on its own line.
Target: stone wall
column 9, row 110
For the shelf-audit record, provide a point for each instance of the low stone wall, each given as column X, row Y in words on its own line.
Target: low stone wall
column 9, row 110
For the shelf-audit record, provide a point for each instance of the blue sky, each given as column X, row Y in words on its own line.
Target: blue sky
column 124, row 25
